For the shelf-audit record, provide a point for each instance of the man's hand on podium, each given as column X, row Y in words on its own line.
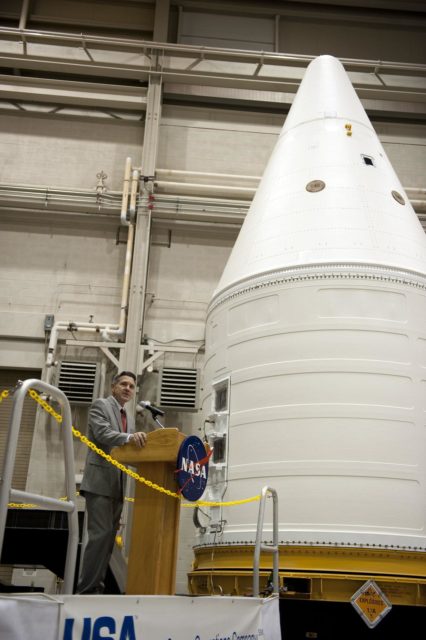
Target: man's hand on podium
column 138, row 438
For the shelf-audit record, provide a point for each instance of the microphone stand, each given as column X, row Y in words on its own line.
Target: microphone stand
column 158, row 422
column 153, row 411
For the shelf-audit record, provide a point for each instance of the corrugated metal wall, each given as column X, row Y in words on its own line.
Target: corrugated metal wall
column 8, row 379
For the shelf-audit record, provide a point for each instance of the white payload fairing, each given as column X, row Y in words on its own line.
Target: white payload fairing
column 315, row 374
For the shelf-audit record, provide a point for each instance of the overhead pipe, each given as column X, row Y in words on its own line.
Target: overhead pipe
column 29, row 197
column 170, row 49
column 223, row 177
column 164, row 186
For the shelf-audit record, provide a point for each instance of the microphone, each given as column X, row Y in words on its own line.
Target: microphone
column 155, row 411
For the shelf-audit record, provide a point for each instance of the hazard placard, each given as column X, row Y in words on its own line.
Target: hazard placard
column 371, row 603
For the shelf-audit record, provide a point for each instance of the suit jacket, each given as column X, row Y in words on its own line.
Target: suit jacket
column 105, row 431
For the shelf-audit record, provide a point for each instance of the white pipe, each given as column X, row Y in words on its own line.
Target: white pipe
column 165, row 187
column 24, row 15
column 418, row 205
column 133, row 193
column 67, row 326
column 107, row 330
column 119, row 331
column 203, row 189
column 415, row 191
column 102, row 378
column 126, row 185
column 206, row 174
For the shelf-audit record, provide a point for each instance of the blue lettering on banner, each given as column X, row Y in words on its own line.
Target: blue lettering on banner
column 234, row 636
column 95, row 630
column 105, row 622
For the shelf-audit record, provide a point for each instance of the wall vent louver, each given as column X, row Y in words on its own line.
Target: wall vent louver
column 78, row 380
column 178, row 388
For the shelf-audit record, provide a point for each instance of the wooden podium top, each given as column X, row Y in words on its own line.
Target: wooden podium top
column 162, row 446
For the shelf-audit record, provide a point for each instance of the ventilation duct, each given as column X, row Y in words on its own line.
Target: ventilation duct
column 79, row 381
column 178, row 388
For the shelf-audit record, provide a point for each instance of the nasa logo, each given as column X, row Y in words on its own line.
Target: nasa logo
column 192, row 468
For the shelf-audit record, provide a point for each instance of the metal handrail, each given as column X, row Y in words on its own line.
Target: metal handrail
column 6, row 491
column 270, row 548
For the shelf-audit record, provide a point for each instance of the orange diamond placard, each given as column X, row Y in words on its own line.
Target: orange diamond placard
column 371, row 603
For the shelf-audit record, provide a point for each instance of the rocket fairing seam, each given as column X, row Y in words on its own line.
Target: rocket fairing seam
column 317, row 543
column 320, row 272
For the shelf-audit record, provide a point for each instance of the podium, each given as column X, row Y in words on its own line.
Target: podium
column 152, row 559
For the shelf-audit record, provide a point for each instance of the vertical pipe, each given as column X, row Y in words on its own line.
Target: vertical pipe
column 107, row 333
column 134, row 185
column 130, row 190
column 24, row 14
column 102, row 378
column 277, row 34
column 126, row 279
column 126, row 187
column 179, row 24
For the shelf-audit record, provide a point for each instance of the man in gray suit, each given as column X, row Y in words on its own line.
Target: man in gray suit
column 102, row 484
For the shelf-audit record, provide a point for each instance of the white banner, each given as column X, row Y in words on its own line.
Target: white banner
column 168, row 618
column 25, row 617
column 28, row 617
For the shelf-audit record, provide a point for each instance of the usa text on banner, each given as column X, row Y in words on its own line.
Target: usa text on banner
column 172, row 617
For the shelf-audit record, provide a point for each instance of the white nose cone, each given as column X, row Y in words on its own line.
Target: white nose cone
column 315, row 370
column 329, row 193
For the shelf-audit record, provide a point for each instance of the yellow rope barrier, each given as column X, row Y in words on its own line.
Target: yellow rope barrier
column 21, row 505
column 77, row 434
